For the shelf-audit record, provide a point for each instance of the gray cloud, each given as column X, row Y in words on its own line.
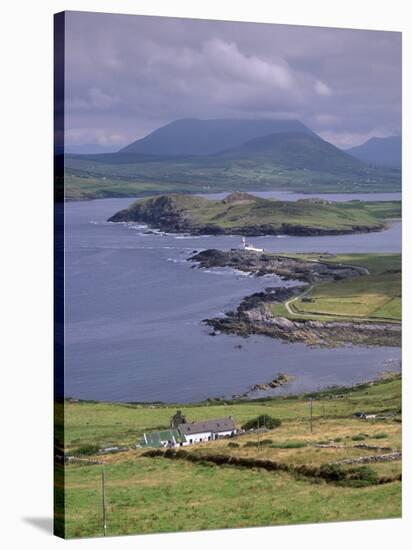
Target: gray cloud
column 127, row 75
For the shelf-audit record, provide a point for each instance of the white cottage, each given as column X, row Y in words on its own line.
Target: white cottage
column 207, row 430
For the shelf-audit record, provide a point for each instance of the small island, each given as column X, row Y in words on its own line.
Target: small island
column 245, row 214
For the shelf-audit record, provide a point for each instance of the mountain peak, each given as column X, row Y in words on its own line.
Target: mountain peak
column 191, row 136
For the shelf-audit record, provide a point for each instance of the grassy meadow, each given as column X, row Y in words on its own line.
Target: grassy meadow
column 374, row 296
column 155, row 494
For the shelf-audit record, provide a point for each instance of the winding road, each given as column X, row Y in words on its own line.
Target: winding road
column 288, row 302
column 300, row 315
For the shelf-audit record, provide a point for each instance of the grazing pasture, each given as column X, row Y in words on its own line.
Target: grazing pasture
column 374, row 296
column 155, row 494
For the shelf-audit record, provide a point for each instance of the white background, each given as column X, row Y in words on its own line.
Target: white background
column 26, row 269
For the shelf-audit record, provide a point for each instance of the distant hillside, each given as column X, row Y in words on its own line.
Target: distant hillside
column 287, row 150
column 191, row 136
column 193, row 156
column 298, row 151
column 380, row 151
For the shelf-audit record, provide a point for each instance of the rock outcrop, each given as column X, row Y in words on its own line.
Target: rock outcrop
column 313, row 333
column 272, row 264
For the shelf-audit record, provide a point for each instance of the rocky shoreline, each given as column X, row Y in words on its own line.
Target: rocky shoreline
column 311, row 333
column 286, row 267
column 254, row 316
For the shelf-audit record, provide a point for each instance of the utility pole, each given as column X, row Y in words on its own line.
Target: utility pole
column 311, row 414
column 103, row 502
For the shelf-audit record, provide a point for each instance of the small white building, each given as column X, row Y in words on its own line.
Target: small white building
column 182, row 433
column 207, row 430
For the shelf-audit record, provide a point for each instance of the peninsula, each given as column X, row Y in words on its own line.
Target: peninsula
column 351, row 299
column 245, row 214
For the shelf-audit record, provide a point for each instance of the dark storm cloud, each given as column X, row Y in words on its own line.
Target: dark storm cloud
column 127, row 75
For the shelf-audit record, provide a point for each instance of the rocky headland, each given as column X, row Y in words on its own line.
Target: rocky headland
column 286, row 267
column 254, row 315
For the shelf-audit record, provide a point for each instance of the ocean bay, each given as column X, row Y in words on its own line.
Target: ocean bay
column 135, row 306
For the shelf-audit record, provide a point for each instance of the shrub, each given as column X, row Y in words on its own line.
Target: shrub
column 359, row 476
column 358, row 437
column 258, row 443
column 289, row 445
column 332, row 472
column 338, row 439
column 261, row 421
column 233, row 444
column 380, row 435
column 86, row 450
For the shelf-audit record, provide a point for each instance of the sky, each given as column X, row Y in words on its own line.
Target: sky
column 127, row 75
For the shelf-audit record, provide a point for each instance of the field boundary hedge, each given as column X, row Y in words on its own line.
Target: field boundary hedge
column 331, row 473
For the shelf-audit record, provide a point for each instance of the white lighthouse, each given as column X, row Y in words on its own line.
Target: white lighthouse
column 250, row 247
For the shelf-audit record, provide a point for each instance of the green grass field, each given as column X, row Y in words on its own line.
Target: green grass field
column 153, row 495
column 375, row 296
column 106, row 424
column 339, row 216
column 156, row 494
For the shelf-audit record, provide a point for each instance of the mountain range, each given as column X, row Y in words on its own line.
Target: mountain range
column 191, row 136
column 191, row 155
column 385, row 151
column 297, row 150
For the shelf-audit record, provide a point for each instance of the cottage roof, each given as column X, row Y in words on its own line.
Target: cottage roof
column 155, row 439
column 216, row 425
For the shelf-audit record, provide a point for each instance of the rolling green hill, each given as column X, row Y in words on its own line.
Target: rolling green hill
column 299, row 151
column 241, row 213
